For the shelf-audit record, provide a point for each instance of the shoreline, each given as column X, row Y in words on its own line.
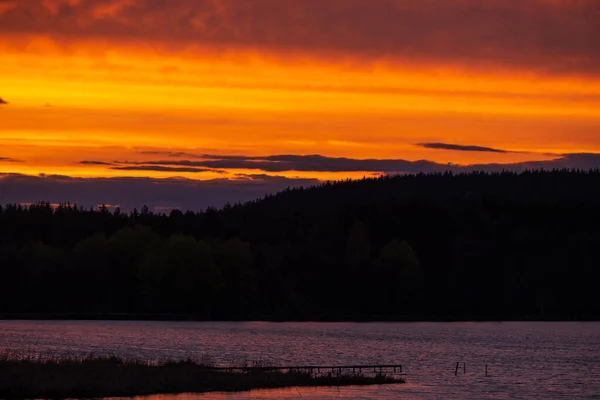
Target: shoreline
column 52, row 377
column 193, row 318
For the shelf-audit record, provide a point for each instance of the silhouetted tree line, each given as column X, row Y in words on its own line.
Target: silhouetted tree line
column 475, row 245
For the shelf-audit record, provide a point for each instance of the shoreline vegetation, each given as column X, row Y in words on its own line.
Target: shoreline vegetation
column 53, row 377
column 319, row 319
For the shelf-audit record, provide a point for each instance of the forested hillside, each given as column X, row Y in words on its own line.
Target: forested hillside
column 406, row 247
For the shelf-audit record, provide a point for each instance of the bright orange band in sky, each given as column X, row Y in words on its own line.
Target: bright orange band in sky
column 103, row 99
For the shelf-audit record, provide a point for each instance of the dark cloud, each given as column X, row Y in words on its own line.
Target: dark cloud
column 92, row 162
column 559, row 36
column 132, row 192
column 161, row 194
column 585, row 161
column 169, row 153
column 318, row 163
column 577, row 161
column 460, row 147
column 11, row 160
column 286, row 163
column 166, row 169
column 262, row 177
column 2, row 101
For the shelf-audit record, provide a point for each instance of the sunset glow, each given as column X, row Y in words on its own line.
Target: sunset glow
column 95, row 86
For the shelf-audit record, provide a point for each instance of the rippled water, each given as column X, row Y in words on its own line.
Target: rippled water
column 525, row 360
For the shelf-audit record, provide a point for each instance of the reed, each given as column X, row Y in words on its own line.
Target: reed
column 28, row 376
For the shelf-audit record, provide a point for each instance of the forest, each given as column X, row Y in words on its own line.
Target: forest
column 411, row 247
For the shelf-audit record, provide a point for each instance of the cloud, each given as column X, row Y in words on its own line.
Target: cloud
column 92, row 162
column 166, row 169
column 584, row 161
column 459, row 147
column 575, row 161
column 11, row 160
column 168, row 153
column 559, row 36
column 290, row 162
column 133, row 192
column 161, row 194
column 319, row 163
column 2, row 101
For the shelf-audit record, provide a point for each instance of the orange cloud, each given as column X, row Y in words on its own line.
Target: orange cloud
column 547, row 36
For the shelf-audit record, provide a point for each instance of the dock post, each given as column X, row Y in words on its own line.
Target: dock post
column 464, row 368
column 456, row 370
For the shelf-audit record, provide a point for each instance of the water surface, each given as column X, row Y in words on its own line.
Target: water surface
column 526, row 360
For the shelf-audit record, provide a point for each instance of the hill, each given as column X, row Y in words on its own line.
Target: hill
column 436, row 246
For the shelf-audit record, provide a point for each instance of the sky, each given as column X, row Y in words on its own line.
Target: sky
column 193, row 103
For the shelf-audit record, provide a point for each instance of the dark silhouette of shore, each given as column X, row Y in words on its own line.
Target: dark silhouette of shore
column 474, row 246
column 49, row 377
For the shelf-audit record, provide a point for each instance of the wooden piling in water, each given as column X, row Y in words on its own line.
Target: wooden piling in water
column 456, row 370
column 464, row 368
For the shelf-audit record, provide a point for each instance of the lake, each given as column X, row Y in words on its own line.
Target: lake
column 526, row 360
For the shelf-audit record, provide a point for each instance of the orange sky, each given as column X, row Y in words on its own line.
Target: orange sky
column 104, row 81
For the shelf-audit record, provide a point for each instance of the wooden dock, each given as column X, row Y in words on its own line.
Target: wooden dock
column 384, row 369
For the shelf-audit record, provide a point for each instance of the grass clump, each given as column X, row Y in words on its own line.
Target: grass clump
column 54, row 377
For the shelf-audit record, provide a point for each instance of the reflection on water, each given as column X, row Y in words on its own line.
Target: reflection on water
column 525, row 360
column 387, row 392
